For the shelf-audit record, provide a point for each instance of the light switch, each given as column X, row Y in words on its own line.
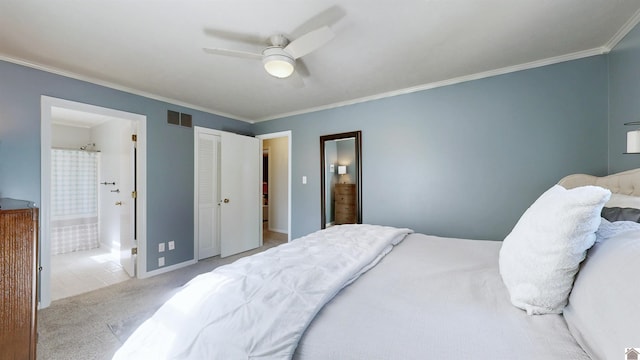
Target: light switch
column 304, row 179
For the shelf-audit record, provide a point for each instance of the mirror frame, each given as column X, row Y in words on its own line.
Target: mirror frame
column 358, row 156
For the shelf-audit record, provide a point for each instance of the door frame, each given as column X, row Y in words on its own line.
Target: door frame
column 265, row 151
column 288, row 135
column 46, row 105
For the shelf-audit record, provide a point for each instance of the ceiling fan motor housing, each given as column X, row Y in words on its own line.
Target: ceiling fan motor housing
column 278, row 62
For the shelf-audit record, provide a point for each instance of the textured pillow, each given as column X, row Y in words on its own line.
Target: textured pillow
column 610, row 229
column 540, row 257
column 603, row 313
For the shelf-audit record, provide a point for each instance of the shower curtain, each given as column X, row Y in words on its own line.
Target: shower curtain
column 74, row 200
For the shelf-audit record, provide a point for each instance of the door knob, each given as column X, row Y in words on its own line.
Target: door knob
column 226, row 201
column 118, row 202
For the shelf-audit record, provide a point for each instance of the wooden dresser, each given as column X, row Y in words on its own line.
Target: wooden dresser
column 18, row 288
column 345, row 204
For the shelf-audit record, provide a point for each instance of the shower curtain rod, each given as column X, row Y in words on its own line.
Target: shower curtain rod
column 76, row 149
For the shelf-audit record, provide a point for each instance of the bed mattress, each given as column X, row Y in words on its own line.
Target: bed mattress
column 434, row 298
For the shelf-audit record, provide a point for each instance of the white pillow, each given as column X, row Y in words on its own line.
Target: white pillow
column 610, row 229
column 541, row 255
column 603, row 313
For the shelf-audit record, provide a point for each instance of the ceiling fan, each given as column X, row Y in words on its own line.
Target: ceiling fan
column 280, row 55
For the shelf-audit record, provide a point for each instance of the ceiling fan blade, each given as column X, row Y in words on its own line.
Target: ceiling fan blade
column 309, row 42
column 328, row 17
column 234, row 53
column 237, row 37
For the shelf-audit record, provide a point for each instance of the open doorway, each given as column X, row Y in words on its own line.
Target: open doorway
column 276, row 187
column 92, row 212
column 90, row 172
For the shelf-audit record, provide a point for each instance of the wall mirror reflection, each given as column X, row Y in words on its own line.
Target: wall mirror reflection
column 341, row 179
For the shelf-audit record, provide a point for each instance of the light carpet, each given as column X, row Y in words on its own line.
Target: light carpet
column 94, row 325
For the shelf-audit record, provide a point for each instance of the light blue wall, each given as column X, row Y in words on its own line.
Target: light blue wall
column 169, row 149
column 624, row 100
column 463, row 160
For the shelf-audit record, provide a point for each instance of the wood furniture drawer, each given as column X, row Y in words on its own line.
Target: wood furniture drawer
column 345, row 204
column 345, row 209
column 345, row 189
column 345, row 200
column 345, row 218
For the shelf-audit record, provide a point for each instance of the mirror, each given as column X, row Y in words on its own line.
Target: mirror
column 341, row 179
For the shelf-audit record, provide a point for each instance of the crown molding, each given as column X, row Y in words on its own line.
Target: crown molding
column 111, row 85
column 453, row 81
column 481, row 75
column 624, row 30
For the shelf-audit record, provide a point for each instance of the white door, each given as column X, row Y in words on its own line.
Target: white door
column 127, row 204
column 240, row 189
column 207, row 194
column 227, row 196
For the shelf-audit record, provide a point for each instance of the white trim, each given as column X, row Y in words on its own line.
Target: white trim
column 46, row 103
column 261, row 175
column 288, row 135
column 624, row 30
column 166, row 269
column 93, row 80
column 265, row 150
column 196, row 241
column 453, row 81
column 509, row 69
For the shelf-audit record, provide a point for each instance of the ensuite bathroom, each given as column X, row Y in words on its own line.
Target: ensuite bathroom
column 91, row 181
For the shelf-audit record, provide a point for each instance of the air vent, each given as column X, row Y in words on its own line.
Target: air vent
column 185, row 120
column 176, row 118
column 173, row 117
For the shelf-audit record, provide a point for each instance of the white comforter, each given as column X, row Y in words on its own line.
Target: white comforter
column 259, row 306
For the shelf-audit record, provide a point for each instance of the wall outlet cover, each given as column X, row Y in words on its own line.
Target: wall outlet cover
column 161, row 261
column 172, row 245
column 161, row 247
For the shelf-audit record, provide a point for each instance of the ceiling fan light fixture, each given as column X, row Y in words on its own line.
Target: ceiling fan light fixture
column 278, row 63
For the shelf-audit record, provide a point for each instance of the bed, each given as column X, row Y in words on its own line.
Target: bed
column 375, row 292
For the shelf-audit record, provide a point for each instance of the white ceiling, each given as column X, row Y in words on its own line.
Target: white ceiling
column 69, row 117
column 381, row 48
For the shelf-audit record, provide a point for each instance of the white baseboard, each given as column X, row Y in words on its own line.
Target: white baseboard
column 166, row 269
column 278, row 230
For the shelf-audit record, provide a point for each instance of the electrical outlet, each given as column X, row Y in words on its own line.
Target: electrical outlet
column 172, row 245
column 161, row 247
column 161, row 261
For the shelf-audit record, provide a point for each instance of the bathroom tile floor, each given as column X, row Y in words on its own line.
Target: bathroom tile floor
column 83, row 271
